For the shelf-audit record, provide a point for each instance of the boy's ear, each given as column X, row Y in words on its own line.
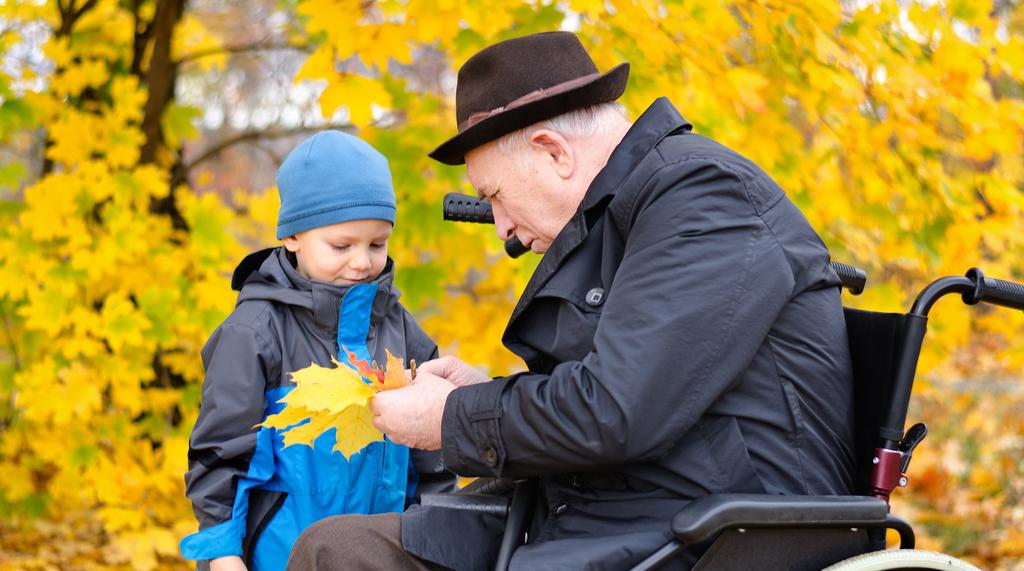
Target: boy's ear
column 291, row 243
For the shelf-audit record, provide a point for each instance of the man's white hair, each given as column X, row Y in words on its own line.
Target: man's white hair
column 577, row 124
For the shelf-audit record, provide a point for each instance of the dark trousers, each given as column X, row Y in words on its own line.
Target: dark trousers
column 357, row 543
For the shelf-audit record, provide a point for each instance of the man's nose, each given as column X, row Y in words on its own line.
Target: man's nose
column 503, row 225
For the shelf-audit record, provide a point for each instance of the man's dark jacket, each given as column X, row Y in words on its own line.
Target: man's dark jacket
column 684, row 336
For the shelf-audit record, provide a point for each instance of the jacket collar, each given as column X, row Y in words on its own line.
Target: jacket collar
column 657, row 122
column 660, row 120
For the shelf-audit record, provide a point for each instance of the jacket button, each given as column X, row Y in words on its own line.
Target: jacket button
column 490, row 456
column 595, row 296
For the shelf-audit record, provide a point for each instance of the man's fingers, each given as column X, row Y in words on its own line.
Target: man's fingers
column 377, row 402
column 411, row 415
column 442, row 367
column 378, row 416
column 454, row 370
column 423, row 377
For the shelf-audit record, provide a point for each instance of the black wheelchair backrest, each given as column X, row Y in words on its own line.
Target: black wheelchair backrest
column 884, row 349
column 877, row 342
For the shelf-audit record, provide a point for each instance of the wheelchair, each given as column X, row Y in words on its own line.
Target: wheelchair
column 835, row 533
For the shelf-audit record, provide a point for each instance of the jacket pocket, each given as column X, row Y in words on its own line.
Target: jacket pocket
column 728, row 452
column 307, row 470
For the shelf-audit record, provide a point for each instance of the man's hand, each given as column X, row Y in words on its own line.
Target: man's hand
column 230, row 563
column 456, row 371
column 412, row 414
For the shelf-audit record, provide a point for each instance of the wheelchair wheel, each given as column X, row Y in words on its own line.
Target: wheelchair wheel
column 895, row 559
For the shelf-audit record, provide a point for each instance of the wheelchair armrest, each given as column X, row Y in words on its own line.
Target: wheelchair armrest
column 497, row 505
column 487, row 495
column 704, row 517
column 490, row 487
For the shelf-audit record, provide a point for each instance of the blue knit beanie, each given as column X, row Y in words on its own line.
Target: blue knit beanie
column 333, row 177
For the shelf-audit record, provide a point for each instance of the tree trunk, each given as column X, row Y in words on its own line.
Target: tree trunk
column 161, row 76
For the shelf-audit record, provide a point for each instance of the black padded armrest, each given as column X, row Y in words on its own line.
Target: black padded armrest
column 490, row 486
column 489, row 495
column 704, row 517
column 497, row 505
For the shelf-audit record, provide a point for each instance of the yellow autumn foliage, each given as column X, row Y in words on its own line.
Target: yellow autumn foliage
column 896, row 125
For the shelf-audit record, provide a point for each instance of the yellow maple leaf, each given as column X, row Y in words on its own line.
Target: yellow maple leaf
column 308, row 432
column 355, row 430
column 328, row 389
column 359, row 94
column 288, row 417
column 338, row 398
column 320, row 65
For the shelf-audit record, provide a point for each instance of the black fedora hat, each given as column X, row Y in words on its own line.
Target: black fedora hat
column 521, row 81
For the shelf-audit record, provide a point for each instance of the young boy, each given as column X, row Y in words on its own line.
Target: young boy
column 330, row 286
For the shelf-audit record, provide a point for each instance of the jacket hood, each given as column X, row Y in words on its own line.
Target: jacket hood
column 271, row 276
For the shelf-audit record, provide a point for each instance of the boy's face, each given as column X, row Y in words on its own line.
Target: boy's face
column 342, row 254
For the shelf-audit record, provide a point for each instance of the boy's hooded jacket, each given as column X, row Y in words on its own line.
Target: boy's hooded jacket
column 251, row 495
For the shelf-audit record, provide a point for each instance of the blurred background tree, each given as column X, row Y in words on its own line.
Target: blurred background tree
column 140, row 140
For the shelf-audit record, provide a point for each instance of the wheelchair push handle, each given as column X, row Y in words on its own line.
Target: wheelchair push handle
column 854, row 279
column 464, row 208
column 994, row 291
column 974, row 288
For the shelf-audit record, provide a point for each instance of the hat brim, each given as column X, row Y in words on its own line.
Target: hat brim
column 606, row 87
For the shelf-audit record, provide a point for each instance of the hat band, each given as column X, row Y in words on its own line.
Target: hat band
column 528, row 98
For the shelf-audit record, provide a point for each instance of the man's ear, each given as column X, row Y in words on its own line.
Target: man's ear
column 291, row 243
column 556, row 150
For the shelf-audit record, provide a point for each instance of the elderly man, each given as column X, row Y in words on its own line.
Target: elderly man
column 683, row 332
